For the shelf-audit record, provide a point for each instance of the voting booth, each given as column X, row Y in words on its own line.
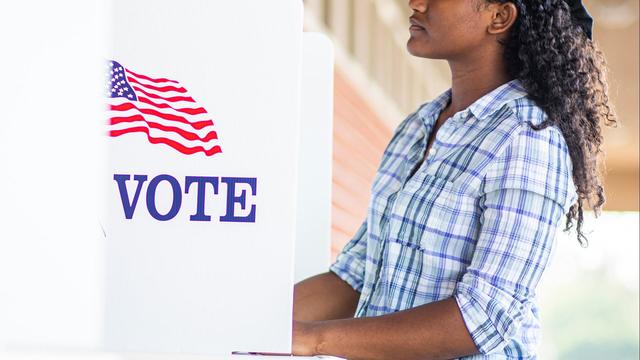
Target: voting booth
column 195, row 201
column 203, row 158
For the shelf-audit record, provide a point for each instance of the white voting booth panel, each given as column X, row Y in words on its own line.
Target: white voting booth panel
column 313, row 221
column 186, row 265
column 201, row 260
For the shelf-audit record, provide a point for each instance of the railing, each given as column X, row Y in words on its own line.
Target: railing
column 372, row 35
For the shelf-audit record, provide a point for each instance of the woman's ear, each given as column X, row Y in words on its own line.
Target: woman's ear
column 503, row 17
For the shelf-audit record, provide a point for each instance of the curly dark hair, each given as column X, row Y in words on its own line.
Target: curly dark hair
column 565, row 74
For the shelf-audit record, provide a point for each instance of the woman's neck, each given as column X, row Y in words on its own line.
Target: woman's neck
column 472, row 79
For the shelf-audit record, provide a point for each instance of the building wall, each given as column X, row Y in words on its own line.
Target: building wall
column 359, row 138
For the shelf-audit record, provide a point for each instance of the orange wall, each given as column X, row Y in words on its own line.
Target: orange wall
column 359, row 138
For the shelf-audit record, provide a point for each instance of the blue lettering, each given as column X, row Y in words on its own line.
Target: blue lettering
column 202, row 182
column 129, row 206
column 241, row 199
column 151, row 197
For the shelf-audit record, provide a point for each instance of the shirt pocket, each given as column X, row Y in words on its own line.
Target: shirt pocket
column 438, row 217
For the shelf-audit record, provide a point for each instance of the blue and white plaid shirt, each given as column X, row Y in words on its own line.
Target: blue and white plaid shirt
column 475, row 222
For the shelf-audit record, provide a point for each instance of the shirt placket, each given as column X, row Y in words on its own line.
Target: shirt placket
column 416, row 156
column 446, row 134
column 415, row 159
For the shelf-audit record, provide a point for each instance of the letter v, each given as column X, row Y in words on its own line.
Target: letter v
column 129, row 206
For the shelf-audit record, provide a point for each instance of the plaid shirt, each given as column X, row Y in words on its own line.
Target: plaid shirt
column 476, row 221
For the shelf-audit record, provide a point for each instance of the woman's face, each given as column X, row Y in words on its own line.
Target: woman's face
column 447, row 29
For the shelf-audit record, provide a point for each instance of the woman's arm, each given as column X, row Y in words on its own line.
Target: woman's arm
column 527, row 190
column 431, row 331
column 324, row 297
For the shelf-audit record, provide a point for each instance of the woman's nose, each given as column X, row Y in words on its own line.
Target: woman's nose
column 418, row 5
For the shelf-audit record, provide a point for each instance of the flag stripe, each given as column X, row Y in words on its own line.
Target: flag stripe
column 197, row 122
column 169, row 110
column 130, row 113
column 172, row 104
column 166, row 93
column 150, row 78
column 147, row 82
column 194, row 111
column 171, row 98
column 158, row 88
column 174, row 144
column 157, row 133
column 212, row 135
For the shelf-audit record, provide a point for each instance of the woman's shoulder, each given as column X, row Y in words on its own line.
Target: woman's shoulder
column 531, row 158
column 524, row 119
column 509, row 113
column 526, row 110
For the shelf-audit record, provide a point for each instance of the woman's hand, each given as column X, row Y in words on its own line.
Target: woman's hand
column 305, row 338
column 324, row 297
column 434, row 330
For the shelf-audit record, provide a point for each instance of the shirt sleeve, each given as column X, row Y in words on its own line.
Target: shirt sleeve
column 527, row 188
column 350, row 263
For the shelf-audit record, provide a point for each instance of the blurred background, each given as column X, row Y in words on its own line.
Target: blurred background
column 589, row 296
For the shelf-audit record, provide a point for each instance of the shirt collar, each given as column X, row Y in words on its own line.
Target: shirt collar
column 481, row 108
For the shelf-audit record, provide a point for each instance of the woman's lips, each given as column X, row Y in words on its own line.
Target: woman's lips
column 415, row 25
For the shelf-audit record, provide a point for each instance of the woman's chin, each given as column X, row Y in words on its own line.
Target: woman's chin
column 418, row 49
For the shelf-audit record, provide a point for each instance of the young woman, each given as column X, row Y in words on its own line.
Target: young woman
column 469, row 193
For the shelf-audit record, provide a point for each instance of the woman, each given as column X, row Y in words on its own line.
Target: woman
column 470, row 190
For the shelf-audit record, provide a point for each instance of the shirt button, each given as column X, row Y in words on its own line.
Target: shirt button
column 433, row 152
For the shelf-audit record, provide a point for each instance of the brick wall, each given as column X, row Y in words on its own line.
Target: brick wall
column 360, row 137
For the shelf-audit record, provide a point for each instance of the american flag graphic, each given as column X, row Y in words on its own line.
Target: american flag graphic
column 160, row 108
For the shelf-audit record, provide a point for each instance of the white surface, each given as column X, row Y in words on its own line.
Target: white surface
column 313, row 227
column 52, row 249
column 115, row 356
column 51, row 244
column 209, row 287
